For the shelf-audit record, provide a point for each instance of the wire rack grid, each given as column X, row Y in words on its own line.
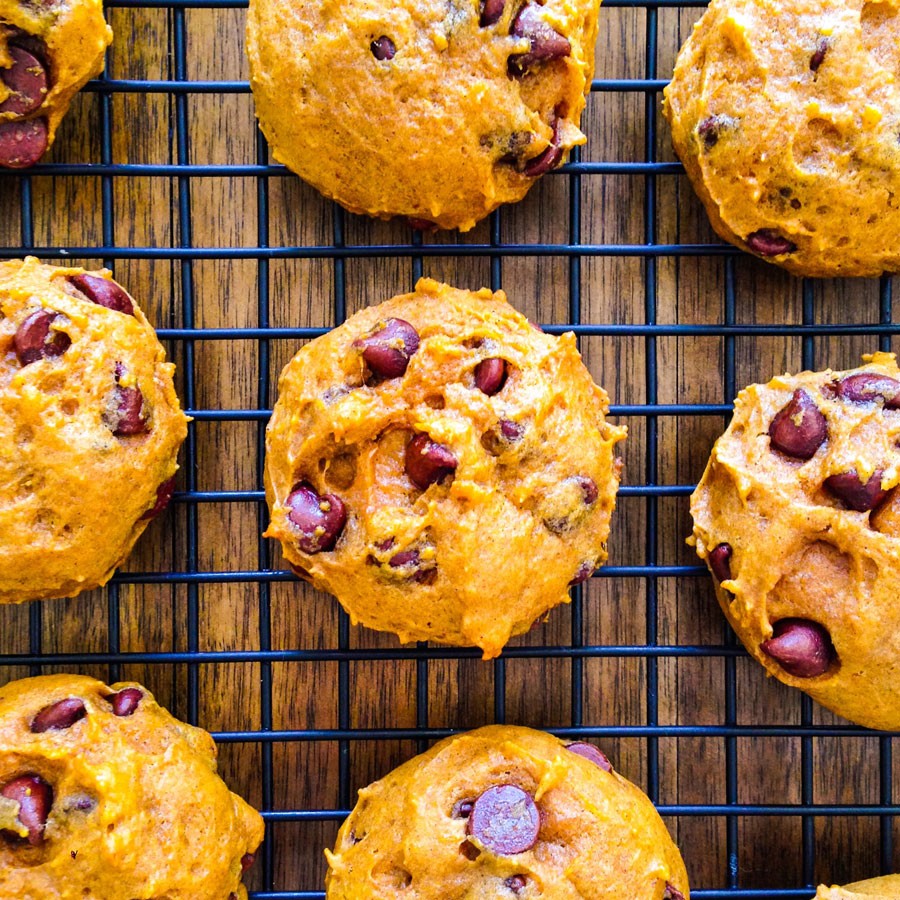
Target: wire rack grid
column 660, row 569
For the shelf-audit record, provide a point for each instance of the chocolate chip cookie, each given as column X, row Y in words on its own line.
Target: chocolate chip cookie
column 503, row 812
column 786, row 118
column 104, row 794
column 885, row 888
column 90, row 428
column 798, row 518
column 438, row 112
column 48, row 52
column 443, row 467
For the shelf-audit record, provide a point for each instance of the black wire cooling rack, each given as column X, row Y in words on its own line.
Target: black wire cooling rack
column 184, row 337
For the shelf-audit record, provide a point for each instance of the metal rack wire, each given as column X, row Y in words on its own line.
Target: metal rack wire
column 186, row 335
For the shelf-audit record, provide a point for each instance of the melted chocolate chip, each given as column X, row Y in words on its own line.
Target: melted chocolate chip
column 59, row 716
column 767, row 242
column 798, row 428
column 383, row 48
column 801, row 647
column 320, row 519
column 428, row 462
column 505, row 820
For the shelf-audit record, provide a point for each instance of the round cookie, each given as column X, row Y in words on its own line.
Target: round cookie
column 503, row 812
column 443, row 467
column 885, row 888
column 90, row 427
column 435, row 112
column 48, row 52
column 786, row 116
column 104, row 794
column 798, row 518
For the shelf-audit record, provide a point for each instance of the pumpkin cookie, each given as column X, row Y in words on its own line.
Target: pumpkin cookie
column 885, row 888
column 443, row 467
column 104, row 794
column 90, row 427
column 48, row 52
column 503, row 812
column 798, row 518
column 434, row 111
column 785, row 115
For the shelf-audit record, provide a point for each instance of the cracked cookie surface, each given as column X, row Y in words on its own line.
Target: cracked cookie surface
column 505, row 812
column 48, row 52
column 798, row 518
column 443, row 467
column 432, row 110
column 786, row 114
column 90, row 427
column 105, row 796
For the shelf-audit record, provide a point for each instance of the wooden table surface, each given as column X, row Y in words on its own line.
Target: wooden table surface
column 708, row 704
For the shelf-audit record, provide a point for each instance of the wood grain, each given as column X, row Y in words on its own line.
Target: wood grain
column 226, row 212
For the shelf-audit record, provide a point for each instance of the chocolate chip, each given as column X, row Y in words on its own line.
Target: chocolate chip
column 672, row 893
column 767, row 242
column 126, row 701
column 125, row 416
column 491, row 12
column 247, row 861
column 320, row 519
column 428, row 462
column 163, row 497
column 490, row 375
column 516, row 883
column 585, row 570
column 816, row 60
column 511, row 431
column 549, row 159
column 22, row 143
column 462, row 809
column 594, row 754
column 588, row 489
column 104, row 292
column 388, row 347
column 869, row 387
column 58, row 716
column 404, row 558
column 383, row 48
column 502, row 436
column 546, row 43
column 82, row 803
column 35, row 799
column 505, row 820
column 559, row 512
column 35, row 338
column 422, row 571
column 801, row 647
column 720, row 562
column 27, row 83
column 469, row 850
column 421, row 224
column 710, row 129
column 798, row 428
column 30, row 42
column 855, row 495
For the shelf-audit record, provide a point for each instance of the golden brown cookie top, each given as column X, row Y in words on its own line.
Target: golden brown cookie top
column 786, row 117
column 90, row 427
column 435, row 112
column 48, row 52
column 442, row 466
column 104, row 794
column 798, row 518
column 885, row 888
column 505, row 811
